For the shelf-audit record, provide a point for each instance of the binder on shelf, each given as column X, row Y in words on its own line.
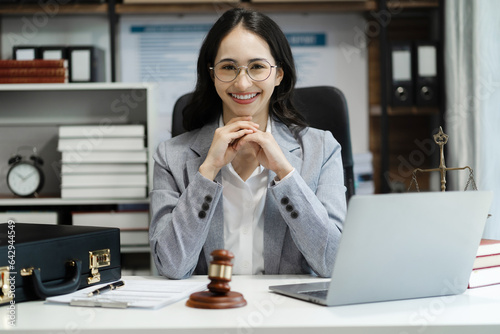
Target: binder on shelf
column 401, row 74
column 25, row 52
column 52, row 52
column 86, row 64
column 426, row 74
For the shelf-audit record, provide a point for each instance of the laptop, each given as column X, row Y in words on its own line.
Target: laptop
column 402, row 246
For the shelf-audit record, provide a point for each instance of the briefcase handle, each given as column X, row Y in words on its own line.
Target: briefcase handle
column 68, row 286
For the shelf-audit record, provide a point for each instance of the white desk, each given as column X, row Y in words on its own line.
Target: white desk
column 476, row 311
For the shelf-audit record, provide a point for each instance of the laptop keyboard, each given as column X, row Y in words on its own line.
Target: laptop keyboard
column 315, row 293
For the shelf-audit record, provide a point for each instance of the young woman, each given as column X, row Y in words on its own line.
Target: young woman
column 249, row 176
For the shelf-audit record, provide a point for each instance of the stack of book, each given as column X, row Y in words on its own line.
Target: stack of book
column 486, row 269
column 32, row 217
column 133, row 225
column 33, row 71
column 103, row 161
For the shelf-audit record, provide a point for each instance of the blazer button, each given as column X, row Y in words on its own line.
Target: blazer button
column 205, row 206
column 208, row 198
column 202, row 214
column 285, row 201
column 289, row 208
column 294, row 214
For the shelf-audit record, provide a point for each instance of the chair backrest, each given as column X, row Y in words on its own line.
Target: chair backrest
column 324, row 107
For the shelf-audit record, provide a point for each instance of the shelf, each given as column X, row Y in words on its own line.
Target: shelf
column 22, row 9
column 185, row 8
column 313, row 6
column 31, row 114
column 69, row 104
column 75, row 86
column 413, row 4
column 376, row 110
column 16, row 201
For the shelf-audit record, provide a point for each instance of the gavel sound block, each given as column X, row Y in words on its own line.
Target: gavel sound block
column 219, row 295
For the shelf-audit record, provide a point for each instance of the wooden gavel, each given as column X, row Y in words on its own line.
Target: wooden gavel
column 218, row 295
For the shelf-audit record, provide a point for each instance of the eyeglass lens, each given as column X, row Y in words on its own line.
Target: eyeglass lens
column 258, row 70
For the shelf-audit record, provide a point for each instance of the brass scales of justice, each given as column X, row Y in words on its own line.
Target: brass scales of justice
column 441, row 139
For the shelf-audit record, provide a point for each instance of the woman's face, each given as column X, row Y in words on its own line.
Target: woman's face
column 243, row 96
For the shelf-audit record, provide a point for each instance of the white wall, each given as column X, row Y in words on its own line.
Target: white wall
column 347, row 69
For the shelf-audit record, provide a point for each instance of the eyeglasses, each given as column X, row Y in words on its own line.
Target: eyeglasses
column 257, row 70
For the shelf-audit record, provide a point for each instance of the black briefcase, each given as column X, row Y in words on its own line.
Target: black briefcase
column 38, row 260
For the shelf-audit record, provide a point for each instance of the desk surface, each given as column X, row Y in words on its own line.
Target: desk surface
column 477, row 310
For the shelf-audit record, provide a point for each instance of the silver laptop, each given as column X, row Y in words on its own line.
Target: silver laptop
column 402, row 246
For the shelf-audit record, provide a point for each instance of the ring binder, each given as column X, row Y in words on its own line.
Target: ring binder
column 426, row 74
column 401, row 74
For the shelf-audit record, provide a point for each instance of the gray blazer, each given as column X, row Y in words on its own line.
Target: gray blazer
column 303, row 214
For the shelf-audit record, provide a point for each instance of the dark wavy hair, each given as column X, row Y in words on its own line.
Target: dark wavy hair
column 206, row 105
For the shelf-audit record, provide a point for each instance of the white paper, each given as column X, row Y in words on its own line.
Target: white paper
column 401, row 65
column 427, row 61
column 52, row 54
column 25, row 54
column 141, row 293
column 80, row 65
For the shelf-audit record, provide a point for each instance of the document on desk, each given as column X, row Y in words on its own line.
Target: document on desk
column 140, row 293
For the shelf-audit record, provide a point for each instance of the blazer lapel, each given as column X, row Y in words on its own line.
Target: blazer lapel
column 274, row 226
column 200, row 146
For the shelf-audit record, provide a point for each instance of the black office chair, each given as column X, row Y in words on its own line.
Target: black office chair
column 324, row 108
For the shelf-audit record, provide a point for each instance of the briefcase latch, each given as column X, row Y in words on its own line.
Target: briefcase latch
column 98, row 259
column 6, row 294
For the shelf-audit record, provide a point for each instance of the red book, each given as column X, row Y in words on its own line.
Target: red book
column 488, row 254
column 484, row 277
column 9, row 63
column 488, row 247
column 33, row 72
column 486, row 261
column 19, row 80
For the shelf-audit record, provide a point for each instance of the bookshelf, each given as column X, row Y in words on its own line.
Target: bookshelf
column 30, row 114
column 396, row 133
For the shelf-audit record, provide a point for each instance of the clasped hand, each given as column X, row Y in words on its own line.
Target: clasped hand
column 240, row 133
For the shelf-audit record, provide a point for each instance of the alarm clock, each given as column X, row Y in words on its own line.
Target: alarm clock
column 25, row 177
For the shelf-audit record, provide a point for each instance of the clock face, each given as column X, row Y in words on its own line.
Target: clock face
column 23, row 179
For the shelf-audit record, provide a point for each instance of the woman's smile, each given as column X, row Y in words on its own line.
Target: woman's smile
column 244, row 98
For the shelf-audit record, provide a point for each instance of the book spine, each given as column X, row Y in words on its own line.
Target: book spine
column 105, row 180
column 91, row 131
column 17, row 80
column 78, row 169
column 33, row 63
column 103, row 144
column 32, row 72
column 124, row 220
column 105, row 157
column 104, row 192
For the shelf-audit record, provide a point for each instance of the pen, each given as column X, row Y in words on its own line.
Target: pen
column 108, row 287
